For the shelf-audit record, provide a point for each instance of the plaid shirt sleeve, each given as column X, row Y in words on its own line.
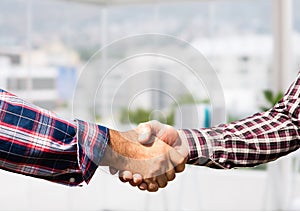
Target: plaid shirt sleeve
column 252, row 141
column 37, row 143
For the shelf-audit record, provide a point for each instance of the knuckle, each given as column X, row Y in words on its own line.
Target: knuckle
column 153, row 188
column 154, row 122
column 172, row 177
column 163, row 184
column 180, row 168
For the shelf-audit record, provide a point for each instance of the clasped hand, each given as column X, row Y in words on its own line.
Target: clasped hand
column 147, row 157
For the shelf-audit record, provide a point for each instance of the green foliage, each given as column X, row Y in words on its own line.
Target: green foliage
column 271, row 99
column 63, row 104
column 170, row 118
column 143, row 115
column 86, row 53
column 140, row 115
column 261, row 167
column 189, row 99
column 98, row 118
column 231, row 118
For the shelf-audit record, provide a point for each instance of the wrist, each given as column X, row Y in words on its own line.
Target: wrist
column 122, row 146
column 110, row 151
column 184, row 145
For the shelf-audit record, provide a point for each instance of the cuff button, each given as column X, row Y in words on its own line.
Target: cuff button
column 72, row 180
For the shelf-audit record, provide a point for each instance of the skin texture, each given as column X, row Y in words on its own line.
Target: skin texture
column 151, row 163
column 166, row 133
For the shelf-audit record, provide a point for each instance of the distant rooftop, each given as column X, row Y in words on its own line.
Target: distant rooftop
column 235, row 45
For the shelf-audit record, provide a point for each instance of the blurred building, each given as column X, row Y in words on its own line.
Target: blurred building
column 45, row 77
column 243, row 64
column 148, row 82
column 42, row 83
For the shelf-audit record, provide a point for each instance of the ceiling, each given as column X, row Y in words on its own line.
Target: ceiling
column 126, row 2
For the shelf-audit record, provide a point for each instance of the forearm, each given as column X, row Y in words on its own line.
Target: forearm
column 220, row 147
column 124, row 152
column 38, row 143
column 123, row 147
column 258, row 139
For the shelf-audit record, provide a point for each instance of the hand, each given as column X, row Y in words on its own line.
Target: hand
column 166, row 133
column 153, row 161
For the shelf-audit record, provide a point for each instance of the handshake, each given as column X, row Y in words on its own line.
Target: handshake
column 148, row 156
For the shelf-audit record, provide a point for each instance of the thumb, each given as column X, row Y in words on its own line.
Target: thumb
column 145, row 130
column 144, row 133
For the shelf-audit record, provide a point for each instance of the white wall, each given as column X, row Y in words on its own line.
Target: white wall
column 198, row 188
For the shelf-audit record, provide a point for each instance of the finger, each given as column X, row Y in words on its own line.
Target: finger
column 145, row 130
column 136, row 180
column 165, row 132
column 152, row 185
column 162, row 181
column 143, row 186
column 125, row 176
column 112, row 170
column 170, row 174
column 180, row 167
column 157, row 128
column 132, row 183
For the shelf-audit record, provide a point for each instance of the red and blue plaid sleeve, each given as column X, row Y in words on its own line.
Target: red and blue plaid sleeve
column 257, row 139
column 36, row 142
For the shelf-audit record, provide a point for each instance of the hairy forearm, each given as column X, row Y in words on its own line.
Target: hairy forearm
column 125, row 153
column 121, row 147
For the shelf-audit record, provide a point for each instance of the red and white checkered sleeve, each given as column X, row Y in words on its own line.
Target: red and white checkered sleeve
column 257, row 139
column 38, row 143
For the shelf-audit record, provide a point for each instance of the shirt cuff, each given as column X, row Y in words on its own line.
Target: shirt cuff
column 201, row 147
column 92, row 141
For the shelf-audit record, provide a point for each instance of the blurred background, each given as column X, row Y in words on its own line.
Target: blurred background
column 251, row 44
